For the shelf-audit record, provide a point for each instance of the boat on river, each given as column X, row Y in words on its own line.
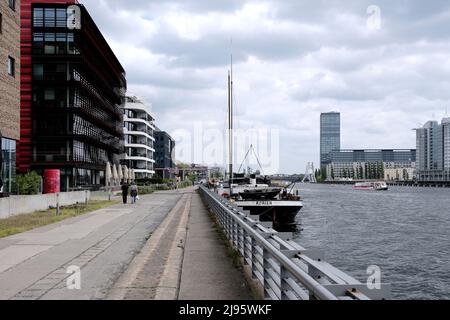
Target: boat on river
column 376, row 186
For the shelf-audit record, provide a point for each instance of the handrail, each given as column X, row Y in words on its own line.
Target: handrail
column 282, row 267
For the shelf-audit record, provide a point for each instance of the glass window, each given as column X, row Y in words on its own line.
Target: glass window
column 11, row 66
column 38, row 71
column 61, row 19
column 38, row 17
column 8, row 174
column 61, row 43
column 49, row 16
column 49, row 94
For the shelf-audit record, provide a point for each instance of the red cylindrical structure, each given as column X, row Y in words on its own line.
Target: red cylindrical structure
column 52, row 180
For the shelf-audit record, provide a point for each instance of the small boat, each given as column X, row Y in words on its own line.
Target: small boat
column 377, row 186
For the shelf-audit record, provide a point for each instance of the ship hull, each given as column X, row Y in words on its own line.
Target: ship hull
column 281, row 213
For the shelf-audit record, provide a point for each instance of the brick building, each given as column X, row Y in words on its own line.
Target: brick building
column 9, row 88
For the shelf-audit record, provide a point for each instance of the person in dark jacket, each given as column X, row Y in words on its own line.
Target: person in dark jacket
column 125, row 188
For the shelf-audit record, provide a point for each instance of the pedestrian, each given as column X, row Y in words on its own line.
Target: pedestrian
column 134, row 192
column 125, row 187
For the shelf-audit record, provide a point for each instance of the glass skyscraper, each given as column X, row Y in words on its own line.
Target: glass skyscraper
column 330, row 136
column 433, row 151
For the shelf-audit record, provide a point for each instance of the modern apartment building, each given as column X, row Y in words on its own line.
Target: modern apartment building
column 330, row 135
column 433, row 151
column 72, row 94
column 139, row 124
column 165, row 154
column 9, row 91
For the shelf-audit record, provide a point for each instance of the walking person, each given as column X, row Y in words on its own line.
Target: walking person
column 125, row 187
column 134, row 193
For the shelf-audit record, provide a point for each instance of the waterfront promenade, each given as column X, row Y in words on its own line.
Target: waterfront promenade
column 164, row 247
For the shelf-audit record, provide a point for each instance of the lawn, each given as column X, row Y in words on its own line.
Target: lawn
column 26, row 222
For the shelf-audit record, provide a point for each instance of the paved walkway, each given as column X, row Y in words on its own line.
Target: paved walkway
column 208, row 272
column 162, row 248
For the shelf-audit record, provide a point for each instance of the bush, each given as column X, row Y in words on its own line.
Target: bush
column 28, row 184
column 153, row 181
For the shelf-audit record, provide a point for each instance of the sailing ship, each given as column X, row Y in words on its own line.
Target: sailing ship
column 255, row 193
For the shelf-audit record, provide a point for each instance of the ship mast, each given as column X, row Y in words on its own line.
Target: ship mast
column 230, row 120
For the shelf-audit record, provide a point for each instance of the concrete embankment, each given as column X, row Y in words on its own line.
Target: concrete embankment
column 16, row 205
column 184, row 259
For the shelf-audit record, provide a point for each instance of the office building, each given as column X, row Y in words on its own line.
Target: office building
column 139, row 128
column 433, row 151
column 371, row 164
column 9, row 91
column 330, row 135
column 72, row 94
column 165, row 155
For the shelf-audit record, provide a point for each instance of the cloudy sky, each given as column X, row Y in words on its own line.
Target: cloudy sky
column 293, row 60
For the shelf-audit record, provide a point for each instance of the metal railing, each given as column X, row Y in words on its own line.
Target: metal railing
column 283, row 268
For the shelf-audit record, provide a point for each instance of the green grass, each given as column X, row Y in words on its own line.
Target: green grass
column 27, row 222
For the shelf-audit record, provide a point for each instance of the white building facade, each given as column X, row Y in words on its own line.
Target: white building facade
column 139, row 129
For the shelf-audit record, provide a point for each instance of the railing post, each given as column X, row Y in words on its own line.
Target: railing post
column 265, row 274
column 253, row 258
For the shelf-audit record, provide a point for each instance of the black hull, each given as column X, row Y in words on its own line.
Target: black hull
column 280, row 216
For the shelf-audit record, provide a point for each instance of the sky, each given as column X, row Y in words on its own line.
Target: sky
column 383, row 64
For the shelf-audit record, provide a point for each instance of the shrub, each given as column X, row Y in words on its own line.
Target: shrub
column 28, row 184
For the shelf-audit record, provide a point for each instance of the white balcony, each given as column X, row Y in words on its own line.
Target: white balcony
column 139, row 146
column 138, row 133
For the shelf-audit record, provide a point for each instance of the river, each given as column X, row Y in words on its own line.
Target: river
column 405, row 231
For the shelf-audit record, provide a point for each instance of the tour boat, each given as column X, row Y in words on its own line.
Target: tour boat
column 377, row 186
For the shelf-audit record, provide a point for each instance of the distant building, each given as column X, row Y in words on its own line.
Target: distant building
column 9, row 90
column 399, row 174
column 164, row 155
column 72, row 91
column 139, row 128
column 371, row 164
column 330, row 135
column 433, row 151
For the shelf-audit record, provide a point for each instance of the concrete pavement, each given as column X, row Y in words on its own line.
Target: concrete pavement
column 208, row 272
column 164, row 247
column 33, row 265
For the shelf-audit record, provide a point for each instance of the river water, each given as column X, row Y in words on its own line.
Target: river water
column 405, row 231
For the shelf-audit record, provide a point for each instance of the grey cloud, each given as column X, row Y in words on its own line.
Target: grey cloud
column 398, row 75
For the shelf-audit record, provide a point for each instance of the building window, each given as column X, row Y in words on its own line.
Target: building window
column 11, row 66
column 12, row 4
column 38, row 17
column 8, row 149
